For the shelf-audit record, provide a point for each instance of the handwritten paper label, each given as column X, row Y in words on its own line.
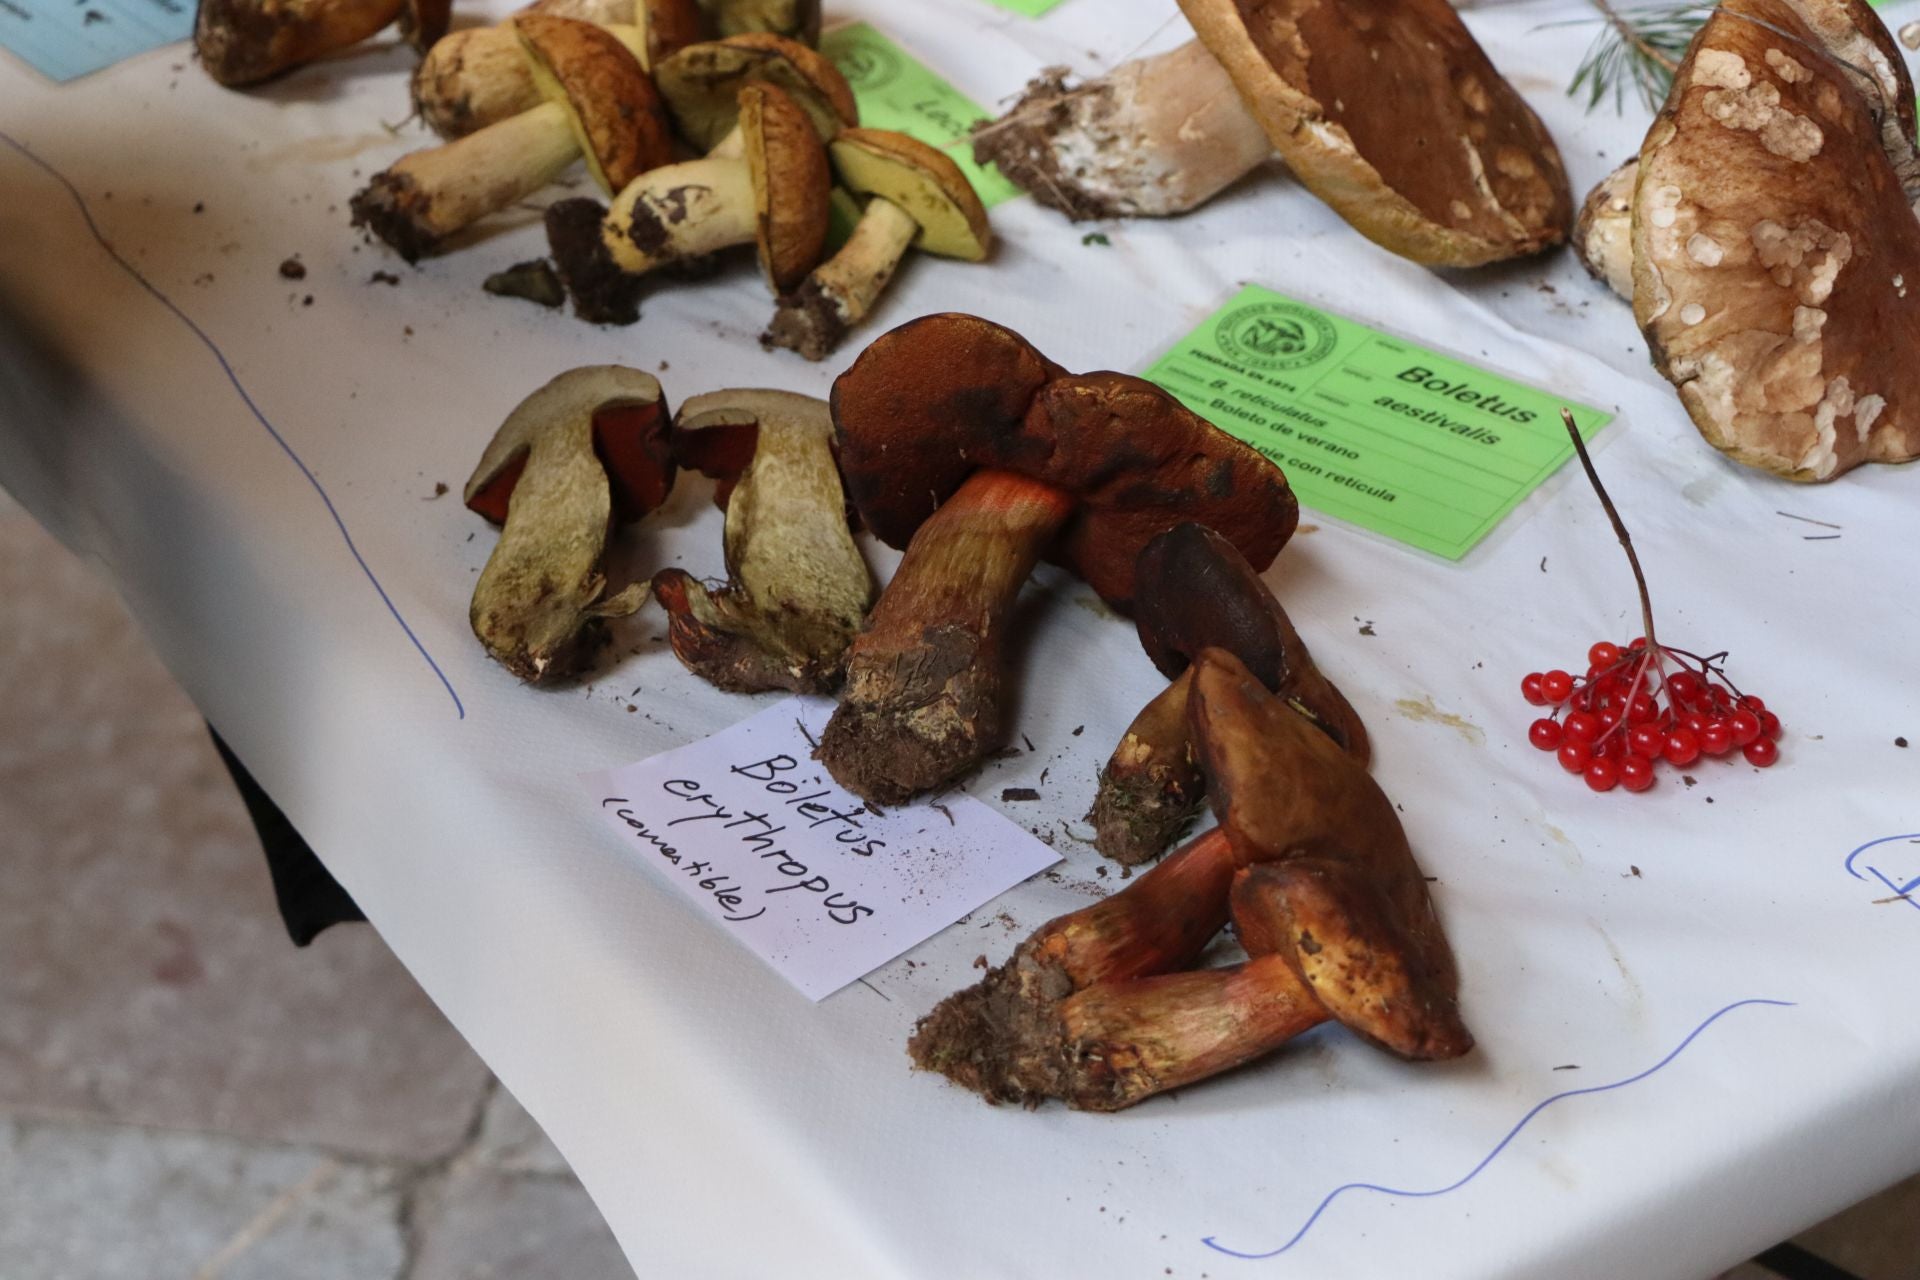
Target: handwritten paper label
column 752, row 830
column 65, row 39
column 897, row 91
column 1369, row 427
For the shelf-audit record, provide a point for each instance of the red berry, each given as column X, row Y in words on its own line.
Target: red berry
column 1583, row 726
column 1602, row 775
column 1641, row 709
column 1545, row 734
column 1636, row 772
column 1770, row 724
column 1683, row 746
column 1603, row 655
column 1611, row 747
column 1761, row 752
column 1574, row 755
column 1557, row 685
column 1752, row 703
column 1684, row 686
column 1695, row 722
column 1744, row 725
column 1646, row 740
column 1609, row 717
column 1530, row 690
column 1716, row 739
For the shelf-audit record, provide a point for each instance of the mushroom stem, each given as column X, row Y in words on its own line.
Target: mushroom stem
column 1122, row 1042
column 680, row 211
column 429, row 195
column 1151, row 787
column 813, row 318
column 922, row 701
column 1155, row 136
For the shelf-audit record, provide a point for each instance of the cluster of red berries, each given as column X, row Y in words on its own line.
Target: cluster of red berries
column 1630, row 712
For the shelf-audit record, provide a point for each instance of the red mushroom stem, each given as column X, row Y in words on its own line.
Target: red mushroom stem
column 922, row 700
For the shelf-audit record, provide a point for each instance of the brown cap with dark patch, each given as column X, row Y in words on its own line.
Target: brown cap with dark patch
column 615, row 112
column 701, row 84
column 1393, row 115
column 1776, row 252
column 792, row 184
column 941, row 397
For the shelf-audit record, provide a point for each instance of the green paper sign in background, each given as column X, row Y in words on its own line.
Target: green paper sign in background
column 1370, row 428
column 1030, row 8
column 896, row 91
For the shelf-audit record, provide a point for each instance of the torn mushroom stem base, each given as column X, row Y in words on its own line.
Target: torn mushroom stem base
column 1150, row 787
column 923, row 687
column 429, row 195
column 813, row 318
column 680, row 212
column 1154, row 137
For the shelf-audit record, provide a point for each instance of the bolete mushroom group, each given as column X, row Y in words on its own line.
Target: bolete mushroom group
column 1101, row 1008
column 962, row 443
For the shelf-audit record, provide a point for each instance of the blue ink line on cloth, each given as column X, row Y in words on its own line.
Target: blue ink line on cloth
column 1502, row 1145
column 1903, row 891
column 94, row 229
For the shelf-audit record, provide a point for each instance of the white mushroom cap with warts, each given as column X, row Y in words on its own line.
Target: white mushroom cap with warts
column 1776, row 251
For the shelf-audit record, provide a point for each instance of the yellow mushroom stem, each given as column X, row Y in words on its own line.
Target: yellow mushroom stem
column 429, row 195
column 680, row 211
column 813, row 318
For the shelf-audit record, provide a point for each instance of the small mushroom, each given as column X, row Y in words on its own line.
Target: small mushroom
column 775, row 197
column 1156, row 136
column 962, row 443
column 589, row 447
column 797, row 587
column 476, row 76
column 918, row 198
column 599, row 104
column 1394, row 116
column 702, row 82
column 243, row 42
column 1603, row 234
column 1096, row 1008
column 1775, row 246
column 1192, row 591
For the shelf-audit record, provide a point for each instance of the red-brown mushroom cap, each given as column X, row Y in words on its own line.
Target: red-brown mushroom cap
column 792, row 184
column 939, row 398
column 1775, row 247
column 1193, row 590
column 1392, row 114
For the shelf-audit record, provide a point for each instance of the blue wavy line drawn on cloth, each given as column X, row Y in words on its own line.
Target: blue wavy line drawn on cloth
column 1901, row 892
column 213, row 348
column 1213, row 1243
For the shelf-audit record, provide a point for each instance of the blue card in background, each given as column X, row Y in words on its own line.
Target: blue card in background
column 66, row 39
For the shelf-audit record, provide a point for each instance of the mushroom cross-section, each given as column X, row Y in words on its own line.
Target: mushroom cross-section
column 1193, row 590
column 775, row 196
column 1776, row 254
column 242, row 42
column 589, row 447
column 797, row 587
column 917, row 197
column 600, row 104
column 1393, row 115
column 962, row 443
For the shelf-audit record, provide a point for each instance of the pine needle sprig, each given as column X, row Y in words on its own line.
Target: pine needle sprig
column 1641, row 46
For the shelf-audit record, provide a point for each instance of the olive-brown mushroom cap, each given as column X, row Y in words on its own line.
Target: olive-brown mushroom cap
column 670, row 26
column 923, row 182
column 792, row 184
column 611, row 103
column 938, row 398
column 1776, row 249
column 701, row 85
column 797, row 20
column 242, row 42
column 1393, row 115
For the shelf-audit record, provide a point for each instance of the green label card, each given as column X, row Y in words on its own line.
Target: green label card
column 896, row 91
column 1368, row 427
column 1031, row 8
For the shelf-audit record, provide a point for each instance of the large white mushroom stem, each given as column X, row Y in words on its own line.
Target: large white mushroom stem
column 1155, row 136
column 678, row 212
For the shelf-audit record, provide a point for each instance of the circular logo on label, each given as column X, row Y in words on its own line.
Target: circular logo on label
column 1275, row 335
column 869, row 67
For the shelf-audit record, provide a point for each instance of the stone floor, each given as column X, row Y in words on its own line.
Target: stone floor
column 184, row 1096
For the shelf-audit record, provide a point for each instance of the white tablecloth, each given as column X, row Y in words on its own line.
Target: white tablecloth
column 1701, row 1056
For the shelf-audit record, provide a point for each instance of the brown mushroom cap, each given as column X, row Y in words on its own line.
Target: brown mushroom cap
column 1286, row 794
column 423, row 22
column 923, row 182
column 796, row 19
column 616, row 115
column 1775, row 243
column 701, row 84
column 242, row 42
column 1393, row 115
column 938, row 398
column 1193, row 590
column 1603, row 233
column 669, row 26
column 792, row 184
